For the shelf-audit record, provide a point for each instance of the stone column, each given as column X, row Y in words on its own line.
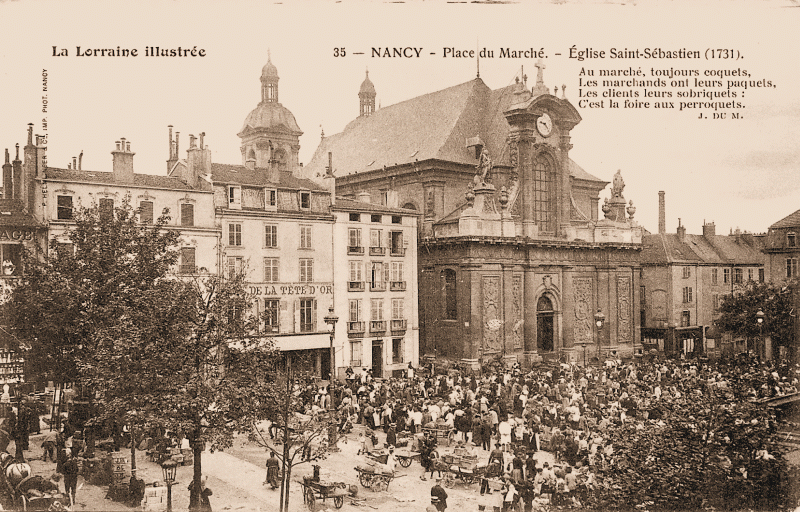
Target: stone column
column 564, row 198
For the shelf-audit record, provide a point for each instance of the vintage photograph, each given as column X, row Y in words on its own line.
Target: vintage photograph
column 412, row 256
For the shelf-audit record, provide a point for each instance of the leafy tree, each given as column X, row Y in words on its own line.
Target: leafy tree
column 738, row 312
column 154, row 350
column 712, row 450
column 303, row 434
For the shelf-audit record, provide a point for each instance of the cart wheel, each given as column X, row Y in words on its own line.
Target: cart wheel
column 381, row 483
column 310, row 498
column 448, row 480
column 405, row 462
column 365, row 480
column 338, row 501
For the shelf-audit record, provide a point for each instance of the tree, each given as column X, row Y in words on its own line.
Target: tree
column 304, row 433
column 714, row 449
column 738, row 312
column 111, row 308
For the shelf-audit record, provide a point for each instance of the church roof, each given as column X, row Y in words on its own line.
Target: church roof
column 270, row 115
column 434, row 126
column 367, row 86
column 108, row 178
column 241, row 175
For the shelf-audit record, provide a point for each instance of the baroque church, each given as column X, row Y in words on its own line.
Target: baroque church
column 515, row 259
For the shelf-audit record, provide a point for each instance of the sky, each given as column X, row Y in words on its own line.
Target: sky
column 738, row 173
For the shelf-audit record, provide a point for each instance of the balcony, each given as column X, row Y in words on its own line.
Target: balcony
column 355, row 286
column 377, row 326
column 377, row 251
column 398, row 251
column 355, row 249
column 271, row 329
column 355, row 363
column 398, row 326
column 188, row 269
column 377, row 286
column 397, row 286
column 355, row 329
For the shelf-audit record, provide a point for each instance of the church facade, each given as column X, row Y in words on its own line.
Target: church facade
column 514, row 259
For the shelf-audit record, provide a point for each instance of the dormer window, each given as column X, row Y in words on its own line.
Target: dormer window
column 791, row 240
column 235, row 197
column 305, row 200
column 270, row 199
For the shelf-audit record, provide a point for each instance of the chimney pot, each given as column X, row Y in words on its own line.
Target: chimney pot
column 662, row 214
column 74, row 162
column 117, row 145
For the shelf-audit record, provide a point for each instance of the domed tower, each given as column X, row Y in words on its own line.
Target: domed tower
column 366, row 97
column 270, row 135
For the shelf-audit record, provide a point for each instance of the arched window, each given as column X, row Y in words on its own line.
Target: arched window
column 409, row 206
column 251, row 154
column 449, row 291
column 543, row 192
column 544, row 324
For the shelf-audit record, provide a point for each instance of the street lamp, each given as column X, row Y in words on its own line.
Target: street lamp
column 331, row 320
column 599, row 320
column 760, row 319
column 170, row 469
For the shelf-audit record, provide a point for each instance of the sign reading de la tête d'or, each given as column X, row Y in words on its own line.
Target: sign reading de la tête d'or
column 292, row 289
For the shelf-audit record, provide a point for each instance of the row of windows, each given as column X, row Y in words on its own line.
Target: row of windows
column 738, row 275
column 65, row 210
column 270, row 314
column 270, row 198
column 356, row 217
column 272, row 269
column 270, row 235
column 394, row 241
column 356, row 352
column 380, row 273
column 376, row 309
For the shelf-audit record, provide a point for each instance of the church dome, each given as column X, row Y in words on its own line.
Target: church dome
column 366, row 86
column 270, row 116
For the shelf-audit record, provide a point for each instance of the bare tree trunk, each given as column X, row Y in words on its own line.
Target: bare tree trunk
column 285, row 480
column 133, row 450
column 194, row 496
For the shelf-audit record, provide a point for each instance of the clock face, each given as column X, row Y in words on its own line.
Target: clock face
column 544, row 124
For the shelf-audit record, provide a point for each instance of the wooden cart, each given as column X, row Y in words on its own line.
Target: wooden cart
column 373, row 478
column 404, row 457
column 444, row 434
column 313, row 490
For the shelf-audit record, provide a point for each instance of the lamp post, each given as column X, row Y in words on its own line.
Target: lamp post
column 760, row 319
column 599, row 320
column 170, row 469
column 331, row 320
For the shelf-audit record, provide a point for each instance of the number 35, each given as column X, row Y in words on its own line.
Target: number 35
column 339, row 52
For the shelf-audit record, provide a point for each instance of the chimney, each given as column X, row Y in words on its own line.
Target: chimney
column 75, row 163
column 123, row 162
column 662, row 214
column 80, row 161
column 8, row 180
column 681, row 231
column 709, row 230
column 198, row 161
column 18, row 193
column 363, row 196
column 173, row 150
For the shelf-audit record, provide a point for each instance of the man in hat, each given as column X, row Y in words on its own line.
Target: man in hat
column 391, row 434
column 439, row 496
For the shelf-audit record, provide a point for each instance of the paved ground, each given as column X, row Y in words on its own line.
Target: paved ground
column 236, row 475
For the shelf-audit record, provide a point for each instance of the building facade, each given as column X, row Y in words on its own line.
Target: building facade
column 514, row 261
column 684, row 280
column 783, row 250
column 375, row 287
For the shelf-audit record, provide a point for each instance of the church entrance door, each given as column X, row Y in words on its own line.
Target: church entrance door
column 544, row 325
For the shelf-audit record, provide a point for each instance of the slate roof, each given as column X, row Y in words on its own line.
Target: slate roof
column 790, row 221
column 241, row 175
column 360, row 206
column 698, row 249
column 108, row 178
column 434, row 126
column 12, row 214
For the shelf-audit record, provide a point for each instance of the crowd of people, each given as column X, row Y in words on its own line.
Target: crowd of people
column 565, row 409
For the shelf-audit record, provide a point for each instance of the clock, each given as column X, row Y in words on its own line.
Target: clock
column 544, row 124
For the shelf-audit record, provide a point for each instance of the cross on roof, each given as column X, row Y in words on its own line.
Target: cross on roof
column 540, row 68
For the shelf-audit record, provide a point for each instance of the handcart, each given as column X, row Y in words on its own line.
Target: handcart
column 465, row 469
column 444, row 434
column 313, row 490
column 374, row 478
column 404, row 457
